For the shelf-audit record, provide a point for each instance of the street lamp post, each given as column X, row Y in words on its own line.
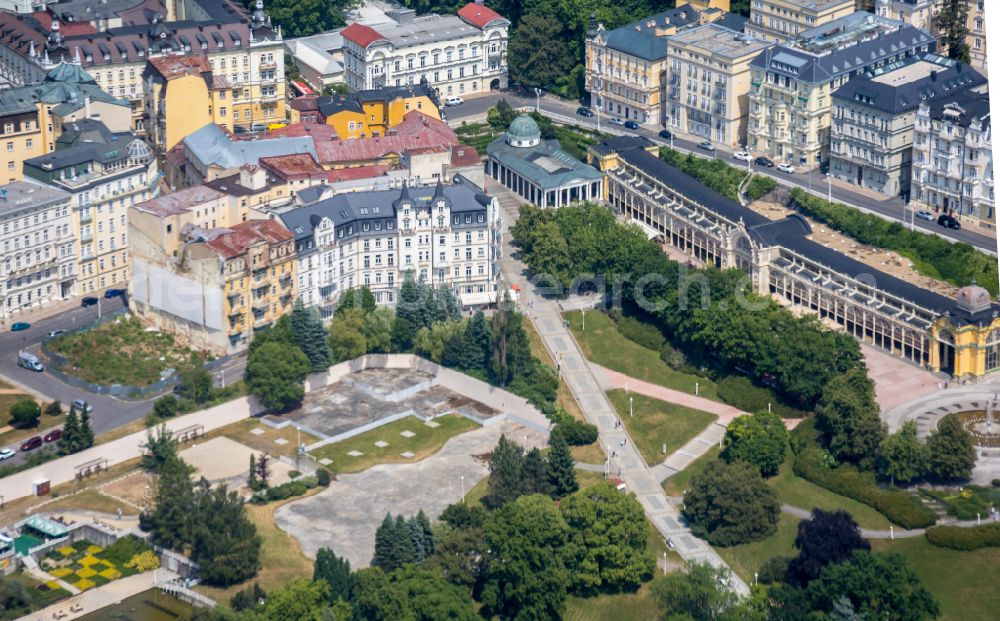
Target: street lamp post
column 462, row 479
column 630, row 407
column 538, row 97
column 298, row 446
column 829, row 188
column 583, row 320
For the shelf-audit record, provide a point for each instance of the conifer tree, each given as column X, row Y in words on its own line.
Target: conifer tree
column 70, row 439
column 562, row 476
column 504, row 484
column 310, row 336
column 535, row 474
column 426, row 532
column 476, row 349
column 252, row 482
column 337, row 573
column 86, row 432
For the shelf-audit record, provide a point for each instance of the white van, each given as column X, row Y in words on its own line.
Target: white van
column 454, row 101
column 29, row 361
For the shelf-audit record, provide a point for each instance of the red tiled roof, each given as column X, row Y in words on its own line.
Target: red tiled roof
column 173, row 67
column 305, row 103
column 478, row 15
column 417, row 130
column 235, row 240
column 320, row 132
column 67, row 29
column 358, row 172
column 295, row 166
column 361, row 34
column 464, row 156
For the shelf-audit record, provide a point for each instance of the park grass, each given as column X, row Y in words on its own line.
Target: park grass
column 38, row 599
column 747, row 558
column 603, row 344
column 45, row 422
column 656, row 422
column 638, row 606
column 424, row 443
column 241, row 432
column 964, row 583
column 91, row 500
column 677, row 484
column 281, row 557
column 798, row 492
column 123, row 352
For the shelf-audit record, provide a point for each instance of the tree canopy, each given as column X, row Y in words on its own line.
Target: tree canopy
column 824, row 539
column 729, row 504
column 951, row 454
column 760, row 439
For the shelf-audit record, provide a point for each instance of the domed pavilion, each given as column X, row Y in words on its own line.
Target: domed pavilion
column 968, row 336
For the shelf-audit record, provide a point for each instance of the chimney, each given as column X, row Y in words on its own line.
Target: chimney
column 86, row 106
column 933, row 76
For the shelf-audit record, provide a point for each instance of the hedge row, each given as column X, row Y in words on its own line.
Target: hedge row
column 965, row 539
column 899, row 507
column 739, row 392
column 719, row 175
column 934, row 256
column 297, row 487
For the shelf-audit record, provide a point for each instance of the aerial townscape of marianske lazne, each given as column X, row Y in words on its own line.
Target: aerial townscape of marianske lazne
column 498, row 310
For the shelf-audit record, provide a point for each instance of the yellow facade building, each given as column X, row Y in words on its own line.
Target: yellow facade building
column 778, row 21
column 181, row 96
column 968, row 338
column 366, row 114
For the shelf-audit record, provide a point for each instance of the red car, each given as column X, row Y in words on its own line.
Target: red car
column 31, row 443
column 53, row 435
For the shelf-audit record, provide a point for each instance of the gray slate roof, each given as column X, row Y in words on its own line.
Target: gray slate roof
column 212, row 145
column 638, row 39
column 526, row 161
column 976, row 105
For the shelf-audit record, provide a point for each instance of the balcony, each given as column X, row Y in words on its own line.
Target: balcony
column 86, row 218
column 270, row 98
column 268, row 64
column 86, row 238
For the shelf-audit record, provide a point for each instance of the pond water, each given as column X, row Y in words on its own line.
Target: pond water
column 151, row 605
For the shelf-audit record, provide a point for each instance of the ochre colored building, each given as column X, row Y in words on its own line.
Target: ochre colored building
column 182, row 96
column 366, row 114
column 967, row 337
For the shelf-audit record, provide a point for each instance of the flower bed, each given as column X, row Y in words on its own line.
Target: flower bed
column 85, row 565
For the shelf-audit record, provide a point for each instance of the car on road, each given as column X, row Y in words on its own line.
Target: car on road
column 454, row 101
column 786, row 168
column 88, row 301
column 665, row 134
column 631, row 125
column 114, row 293
column 763, row 161
column 742, row 156
column 948, row 222
column 706, row 145
column 54, row 333
column 7, row 453
column 31, row 443
column 617, row 121
column 53, row 435
column 17, row 326
column 82, row 406
column 585, row 111
column 30, row 361
column 925, row 215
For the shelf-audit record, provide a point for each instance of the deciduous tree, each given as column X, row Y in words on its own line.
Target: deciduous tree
column 824, row 539
column 760, row 439
column 952, row 456
column 697, row 591
column 24, row 414
column 903, row 456
column 849, row 418
column 729, row 504
column 275, row 373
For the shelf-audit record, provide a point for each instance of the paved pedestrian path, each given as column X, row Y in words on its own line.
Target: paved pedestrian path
column 63, row 470
column 96, row 598
column 597, row 409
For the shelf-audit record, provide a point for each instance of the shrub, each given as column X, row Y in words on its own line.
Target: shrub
column 759, row 186
column 645, row 334
column 576, row 432
column 739, row 392
column 995, row 482
column 54, row 408
column 294, row 474
column 899, row 507
column 297, row 487
column 144, row 561
column 323, row 477
column 24, row 414
column 122, row 551
column 165, row 407
column 774, row 570
column 965, row 539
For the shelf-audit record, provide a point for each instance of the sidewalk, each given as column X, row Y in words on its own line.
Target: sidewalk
column 96, row 598
column 42, row 312
column 63, row 470
column 597, row 409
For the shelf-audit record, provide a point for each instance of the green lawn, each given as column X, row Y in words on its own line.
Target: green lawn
column 654, row 422
column 39, row 594
column 675, row 485
column 123, row 352
column 17, row 435
column 602, row 343
column 798, row 492
column 639, row 606
column 745, row 559
column 425, row 441
column 964, row 583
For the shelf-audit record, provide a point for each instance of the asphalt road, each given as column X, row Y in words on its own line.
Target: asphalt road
column 109, row 413
column 815, row 181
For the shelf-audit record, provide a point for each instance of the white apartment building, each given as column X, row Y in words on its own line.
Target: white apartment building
column 708, row 82
column 953, row 158
column 976, row 37
column 104, row 174
column 917, row 13
column 778, row 21
column 444, row 234
column 791, row 85
column 38, row 261
column 457, row 54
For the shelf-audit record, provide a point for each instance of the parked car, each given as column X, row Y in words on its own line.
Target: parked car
column 706, row 145
column 786, row 168
column 617, row 121
column 241, row 129
column 17, row 326
column 742, row 156
column 27, row 360
column 631, row 125
column 54, row 333
column 31, row 443
column 114, row 293
column 665, row 134
column 88, row 301
column 585, row 111
column 53, row 435
column 925, row 215
column 257, row 128
column 454, row 100
column 943, row 220
column 763, row 161
column 6, row 453
column 82, row 406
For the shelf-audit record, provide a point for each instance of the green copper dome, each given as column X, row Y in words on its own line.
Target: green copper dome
column 523, row 131
column 69, row 72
